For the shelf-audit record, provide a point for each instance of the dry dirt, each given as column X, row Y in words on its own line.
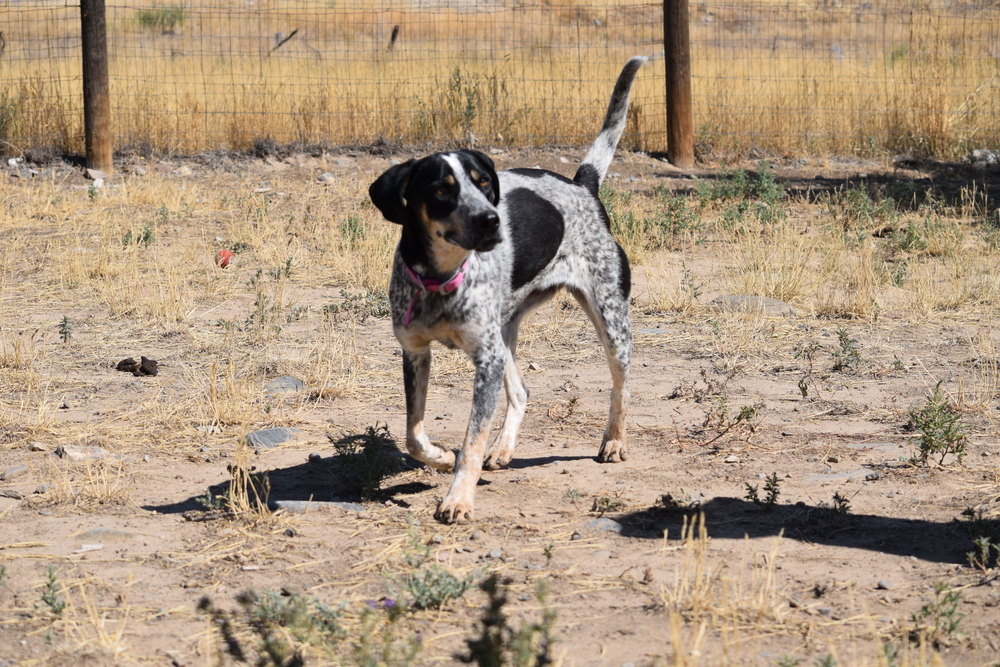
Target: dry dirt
column 771, row 584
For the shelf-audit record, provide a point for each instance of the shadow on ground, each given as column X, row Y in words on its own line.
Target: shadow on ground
column 733, row 518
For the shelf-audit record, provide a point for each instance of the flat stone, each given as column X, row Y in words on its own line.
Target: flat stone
column 12, row 472
column 36, row 447
column 601, row 554
column 271, row 437
column 731, row 459
column 326, row 178
column 604, row 524
column 81, row 453
column 883, row 585
column 96, row 174
column 494, row 553
column 10, row 493
column 314, row 505
column 107, row 535
column 651, row 331
column 286, row 384
column 744, row 303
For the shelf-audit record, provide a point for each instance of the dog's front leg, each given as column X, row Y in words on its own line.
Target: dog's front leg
column 457, row 506
column 416, row 371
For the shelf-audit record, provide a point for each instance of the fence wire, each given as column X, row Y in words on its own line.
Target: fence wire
column 768, row 75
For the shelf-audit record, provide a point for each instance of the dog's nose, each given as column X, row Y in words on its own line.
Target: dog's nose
column 491, row 222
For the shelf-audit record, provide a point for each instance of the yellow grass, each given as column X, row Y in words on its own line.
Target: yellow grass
column 776, row 76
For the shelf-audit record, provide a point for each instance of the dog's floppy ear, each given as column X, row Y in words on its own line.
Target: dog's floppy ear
column 387, row 191
column 486, row 165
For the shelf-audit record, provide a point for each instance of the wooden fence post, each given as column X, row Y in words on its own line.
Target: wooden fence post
column 96, row 99
column 677, row 47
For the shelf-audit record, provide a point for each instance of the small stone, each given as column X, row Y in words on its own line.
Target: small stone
column 96, row 174
column 183, row 171
column 476, row 535
column 576, row 536
column 36, row 447
column 825, row 611
column 872, row 476
column 314, row 458
column 209, row 428
column 64, row 405
column 42, row 488
column 80, row 453
column 289, row 532
column 45, row 512
column 437, row 539
column 139, row 170
column 833, row 459
column 190, row 583
column 288, row 590
column 10, row 493
column 604, row 524
column 12, row 472
column 286, row 384
column 883, row 585
column 326, row 178
column 534, row 367
column 271, row 437
column 494, row 553
column 732, row 458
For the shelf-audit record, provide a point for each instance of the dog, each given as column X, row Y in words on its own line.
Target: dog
column 477, row 252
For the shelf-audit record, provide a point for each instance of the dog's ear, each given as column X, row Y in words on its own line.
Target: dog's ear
column 486, row 164
column 387, row 191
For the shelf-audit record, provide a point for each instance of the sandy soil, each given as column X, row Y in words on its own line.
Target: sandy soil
column 798, row 579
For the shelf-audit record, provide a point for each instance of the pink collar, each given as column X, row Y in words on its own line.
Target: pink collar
column 431, row 285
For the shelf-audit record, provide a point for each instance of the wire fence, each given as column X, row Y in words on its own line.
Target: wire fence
column 815, row 76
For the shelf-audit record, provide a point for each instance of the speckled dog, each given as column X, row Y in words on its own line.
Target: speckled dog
column 479, row 251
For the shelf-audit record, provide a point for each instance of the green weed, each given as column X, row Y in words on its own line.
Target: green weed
column 772, row 489
column 846, row 357
column 360, row 306
column 939, row 619
column 941, row 432
column 363, row 461
column 65, row 329
column 51, row 593
column 164, row 19
column 499, row 644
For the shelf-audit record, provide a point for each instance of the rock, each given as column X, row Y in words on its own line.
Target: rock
column 872, row 476
column 494, row 553
column 534, row 367
column 314, row 505
column 825, row 611
column 743, row 303
column 288, row 590
column 289, row 532
column 342, row 162
column 604, row 524
column 883, row 585
column 326, row 178
column 96, row 174
column 576, row 536
column 42, row 488
column 271, row 437
column 286, row 384
column 36, row 447
column 476, row 535
column 81, row 453
column 314, row 458
column 139, row 170
column 182, row 171
column 11, row 493
column 833, row 459
column 732, row 458
column 12, row 472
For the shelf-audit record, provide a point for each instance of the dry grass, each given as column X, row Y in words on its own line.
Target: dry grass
column 767, row 75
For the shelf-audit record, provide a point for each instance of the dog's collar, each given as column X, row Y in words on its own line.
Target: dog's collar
column 432, row 285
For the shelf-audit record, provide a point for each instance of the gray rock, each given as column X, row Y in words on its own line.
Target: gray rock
column 36, row 447
column 872, row 476
column 81, row 453
column 476, row 535
column 314, row 505
column 494, row 553
column 271, row 437
column 732, row 458
column 743, row 303
column 12, row 472
column 825, row 611
column 576, row 536
column 139, row 170
column 286, row 384
column 326, row 178
column 10, row 493
column 604, row 524
column 883, row 585
column 96, row 174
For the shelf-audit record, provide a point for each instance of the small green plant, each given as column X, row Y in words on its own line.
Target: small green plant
column 808, row 352
column 432, row 586
column 3, row 575
column 416, row 552
column 163, row 19
column 499, row 644
column 282, row 271
column 549, row 550
column 212, row 502
column 985, row 554
column 846, row 357
column 938, row 620
column 940, row 431
column 788, row 661
column 51, row 593
column 352, row 230
column 826, row 661
column 605, row 504
column 363, row 461
column 854, row 209
column 673, row 218
column 772, row 489
column 841, row 503
column 65, row 329
column 360, row 306
column 757, row 195
column 144, row 237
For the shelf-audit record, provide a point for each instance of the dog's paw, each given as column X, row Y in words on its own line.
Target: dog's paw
column 445, row 462
column 454, row 511
column 613, row 451
column 497, row 458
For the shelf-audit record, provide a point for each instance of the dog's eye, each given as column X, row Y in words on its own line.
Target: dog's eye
column 442, row 191
column 483, row 182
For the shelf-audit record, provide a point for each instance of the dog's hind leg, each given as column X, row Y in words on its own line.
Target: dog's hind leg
column 609, row 313
column 416, row 373
column 502, row 450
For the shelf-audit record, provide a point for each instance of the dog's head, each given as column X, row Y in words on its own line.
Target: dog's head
column 447, row 196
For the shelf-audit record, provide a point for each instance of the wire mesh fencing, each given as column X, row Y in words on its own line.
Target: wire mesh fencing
column 816, row 76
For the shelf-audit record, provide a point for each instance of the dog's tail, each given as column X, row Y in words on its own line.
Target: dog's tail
column 598, row 159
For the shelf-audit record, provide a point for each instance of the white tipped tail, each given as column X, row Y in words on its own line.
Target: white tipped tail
column 595, row 164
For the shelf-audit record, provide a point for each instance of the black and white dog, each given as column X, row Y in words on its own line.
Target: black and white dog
column 479, row 251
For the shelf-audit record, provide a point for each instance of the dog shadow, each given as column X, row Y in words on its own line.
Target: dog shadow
column 942, row 542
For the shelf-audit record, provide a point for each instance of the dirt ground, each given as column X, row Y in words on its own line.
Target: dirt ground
column 860, row 560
